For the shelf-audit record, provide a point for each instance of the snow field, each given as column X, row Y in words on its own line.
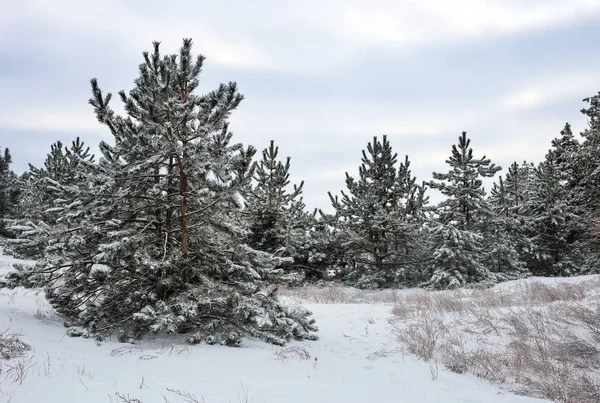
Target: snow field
column 358, row 358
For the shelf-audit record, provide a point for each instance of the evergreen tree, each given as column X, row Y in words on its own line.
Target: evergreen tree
column 276, row 218
column 504, row 235
column 519, row 185
column 324, row 253
column 556, row 221
column 588, row 192
column 465, row 205
column 379, row 219
column 5, row 161
column 153, row 237
column 566, row 150
column 556, row 208
column 511, row 201
column 589, row 161
column 458, row 233
column 8, row 191
column 38, row 199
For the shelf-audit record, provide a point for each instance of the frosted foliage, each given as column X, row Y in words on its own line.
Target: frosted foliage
column 378, row 221
column 274, row 214
column 41, row 198
column 462, row 219
column 457, row 259
column 151, row 238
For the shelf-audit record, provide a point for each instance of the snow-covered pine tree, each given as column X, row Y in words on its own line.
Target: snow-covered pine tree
column 154, row 238
column 519, row 185
column 324, row 256
column 5, row 161
column 38, row 197
column 566, row 150
column 61, row 165
column 504, row 235
column 556, row 218
column 511, row 207
column 457, row 235
column 276, row 217
column 379, row 219
column 588, row 192
column 589, row 161
column 9, row 192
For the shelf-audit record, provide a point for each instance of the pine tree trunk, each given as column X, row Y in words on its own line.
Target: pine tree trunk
column 183, row 185
column 157, row 210
column 184, row 204
column 169, row 217
column 378, row 259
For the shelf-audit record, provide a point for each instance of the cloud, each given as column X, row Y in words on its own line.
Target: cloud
column 524, row 99
column 61, row 118
column 543, row 91
column 127, row 29
column 435, row 21
column 310, row 37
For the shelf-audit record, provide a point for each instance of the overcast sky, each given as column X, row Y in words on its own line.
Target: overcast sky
column 321, row 78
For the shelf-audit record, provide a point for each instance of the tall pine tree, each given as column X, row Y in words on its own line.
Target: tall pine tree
column 588, row 192
column 9, row 192
column 458, row 232
column 556, row 216
column 505, row 241
column 154, row 231
column 379, row 220
column 275, row 215
column 5, row 161
column 38, row 197
column 511, row 224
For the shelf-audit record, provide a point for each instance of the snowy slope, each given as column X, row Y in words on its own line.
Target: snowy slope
column 357, row 359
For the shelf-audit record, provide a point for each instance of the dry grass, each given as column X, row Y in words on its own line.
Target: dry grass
column 543, row 293
column 181, row 396
column 174, row 349
column 292, row 351
column 125, row 398
column 11, row 346
column 186, row 396
column 541, row 340
column 335, row 294
column 17, row 370
column 130, row 349
column 423, row 338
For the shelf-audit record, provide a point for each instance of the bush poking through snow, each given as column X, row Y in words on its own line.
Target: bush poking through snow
column 423, row 339
column 11, row 346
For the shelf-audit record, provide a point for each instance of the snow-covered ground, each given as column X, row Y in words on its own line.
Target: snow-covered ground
column 357, row 359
